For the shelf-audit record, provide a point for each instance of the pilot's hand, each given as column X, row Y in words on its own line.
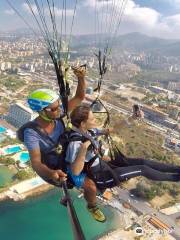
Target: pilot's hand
column 80, row 72
column 59, row 176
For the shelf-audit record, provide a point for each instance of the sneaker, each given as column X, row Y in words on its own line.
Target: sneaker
column 97, row 214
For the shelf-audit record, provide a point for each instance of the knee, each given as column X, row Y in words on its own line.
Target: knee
column 89, row 185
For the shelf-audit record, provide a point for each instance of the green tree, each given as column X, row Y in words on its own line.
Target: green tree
column 23, row 174
column 6, row 160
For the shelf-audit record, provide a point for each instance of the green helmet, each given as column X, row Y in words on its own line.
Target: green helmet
column 41, row 98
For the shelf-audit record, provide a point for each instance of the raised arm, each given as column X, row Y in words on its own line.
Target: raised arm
column 81, row 88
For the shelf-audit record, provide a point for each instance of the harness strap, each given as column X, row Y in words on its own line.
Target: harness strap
column 87, row 136
column 107, row 168
column 83, row 137
column 88, row 164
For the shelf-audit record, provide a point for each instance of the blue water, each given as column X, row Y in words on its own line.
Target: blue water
column 2, row 129
column 11, row 150
column 43, row 218
column 24, row 157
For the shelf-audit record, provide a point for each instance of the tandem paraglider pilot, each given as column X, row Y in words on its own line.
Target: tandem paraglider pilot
column 42, row 135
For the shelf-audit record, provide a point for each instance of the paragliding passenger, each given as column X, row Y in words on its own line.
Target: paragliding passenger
column 42, row 135
column 137, row 112
column 83, row 158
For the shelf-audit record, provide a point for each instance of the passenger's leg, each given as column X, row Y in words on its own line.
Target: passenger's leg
column 90, row 196
column 104, row 179
column 90, row 192
column 162, row 167
column 126, row 173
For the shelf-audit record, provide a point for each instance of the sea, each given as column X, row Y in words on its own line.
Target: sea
column 44, row 218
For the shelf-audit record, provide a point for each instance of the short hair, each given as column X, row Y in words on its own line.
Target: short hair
column 80, row 114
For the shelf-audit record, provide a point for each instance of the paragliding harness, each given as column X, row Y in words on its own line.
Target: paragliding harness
column 76, row 135
column 59, row 149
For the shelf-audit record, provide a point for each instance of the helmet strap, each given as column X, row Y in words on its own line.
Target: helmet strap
column 44, row 116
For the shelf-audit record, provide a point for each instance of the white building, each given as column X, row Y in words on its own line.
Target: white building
column 173, row 96
column 174, row 86
column 19, row 114
column 32, row 69
column 3, row 66
column 8, row 65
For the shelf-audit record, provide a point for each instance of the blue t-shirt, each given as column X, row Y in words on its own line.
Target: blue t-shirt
column 33, row 140
column 74, row 147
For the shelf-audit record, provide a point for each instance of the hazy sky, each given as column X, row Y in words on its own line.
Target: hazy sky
column 159, row 18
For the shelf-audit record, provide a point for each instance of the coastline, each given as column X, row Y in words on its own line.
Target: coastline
column 43, row 217
column 36, row 186
column 39, row 190
column 27, row 188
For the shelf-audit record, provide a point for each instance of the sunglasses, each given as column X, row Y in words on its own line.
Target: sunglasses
column 52, row 109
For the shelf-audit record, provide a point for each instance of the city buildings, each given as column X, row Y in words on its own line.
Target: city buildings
column 19, row 114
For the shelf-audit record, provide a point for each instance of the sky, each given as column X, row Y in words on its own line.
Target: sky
column 159, row 18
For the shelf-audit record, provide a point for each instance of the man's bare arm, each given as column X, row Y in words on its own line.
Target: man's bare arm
column 42, row 170
column 81, row 89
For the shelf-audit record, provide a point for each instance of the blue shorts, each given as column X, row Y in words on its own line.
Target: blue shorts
column 78, row 180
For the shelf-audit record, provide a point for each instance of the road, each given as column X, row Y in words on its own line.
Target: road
column 144, row 208
column 160, row 128
column 118, row 109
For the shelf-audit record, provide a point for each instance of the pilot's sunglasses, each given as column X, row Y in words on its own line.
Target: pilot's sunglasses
column 53, row 109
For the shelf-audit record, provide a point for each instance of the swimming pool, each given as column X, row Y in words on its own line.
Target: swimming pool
column 14, row 149
column 2, row 129
column 24, row 157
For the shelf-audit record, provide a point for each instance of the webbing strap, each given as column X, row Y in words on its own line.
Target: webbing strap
column 87, row 136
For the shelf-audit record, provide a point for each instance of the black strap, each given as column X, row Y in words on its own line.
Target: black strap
column 87, row 136
column 89, row 164
column 107, row 120
column 35, row 126
column 107, row 168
